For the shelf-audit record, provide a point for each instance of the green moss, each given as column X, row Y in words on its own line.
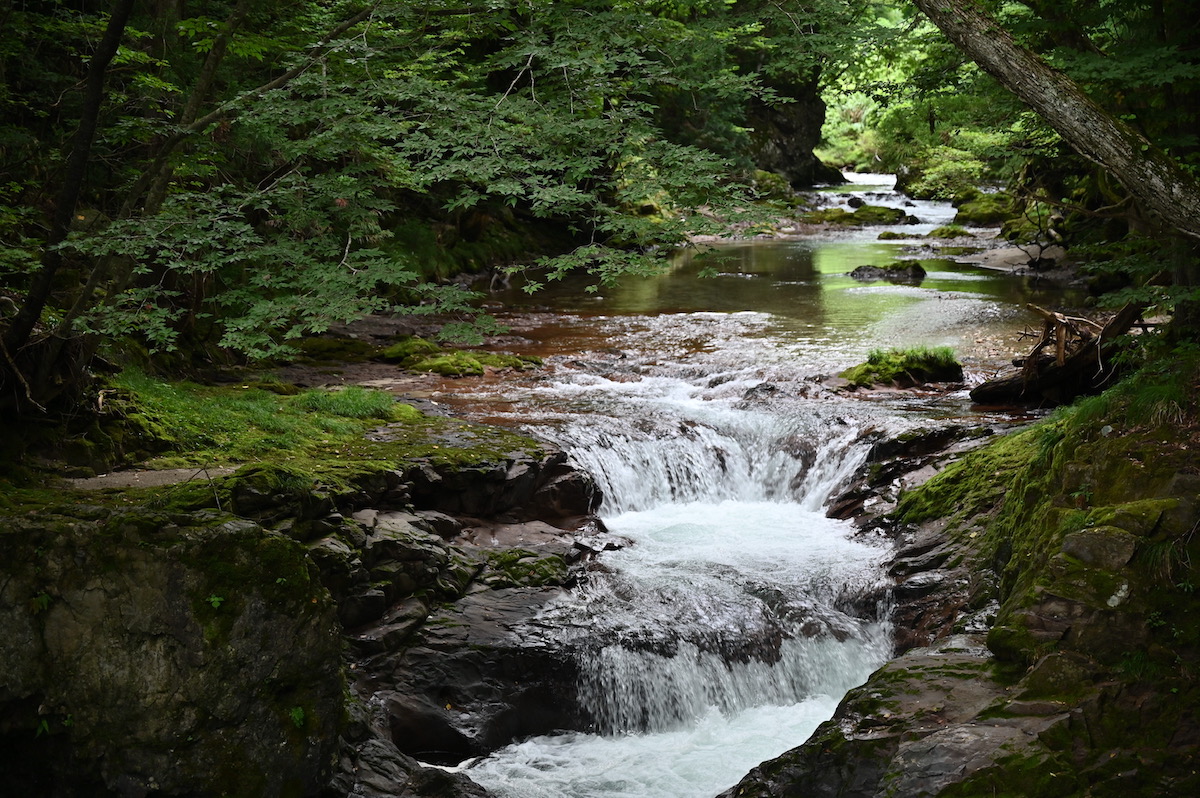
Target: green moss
column 948, row 231
column 237, row 560
column 454, row 364
column 523, row 568
column 984, row 210
column 903, row 267
column 409, row 349
column 877, row 214
column 501, row 361
column 1016, row 500
column 1139, row 517
column 334, row 349
column 892, row 235
column 1031, row 225
column 417, row 354
column 905, row 367
column 829, row 216
column 864, row 215
column 1028, row 772
column 773, row 187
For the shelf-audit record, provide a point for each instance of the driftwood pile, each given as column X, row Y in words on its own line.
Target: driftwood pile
column 1072, row 357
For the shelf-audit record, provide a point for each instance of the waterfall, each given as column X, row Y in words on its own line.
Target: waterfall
column 737, row 597
column 740, row 615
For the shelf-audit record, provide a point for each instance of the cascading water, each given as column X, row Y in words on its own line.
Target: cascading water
column 739, row 615
column 731, row 620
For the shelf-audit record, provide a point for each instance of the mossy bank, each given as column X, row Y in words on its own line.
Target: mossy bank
column 190, row 638
column 1053, row 574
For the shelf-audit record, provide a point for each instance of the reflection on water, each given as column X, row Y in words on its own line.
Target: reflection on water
column 805, row 287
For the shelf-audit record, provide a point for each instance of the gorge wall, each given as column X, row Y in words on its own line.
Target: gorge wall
column 246, row 636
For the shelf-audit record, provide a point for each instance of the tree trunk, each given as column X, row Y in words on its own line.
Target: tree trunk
column 1152, row 176
column 68, row 195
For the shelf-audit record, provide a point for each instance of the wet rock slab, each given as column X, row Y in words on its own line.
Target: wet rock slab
column 918, row 726
column 476, row 675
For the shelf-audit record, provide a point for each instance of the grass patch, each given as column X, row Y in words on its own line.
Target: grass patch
column 203, row 425
column 351, row 402
column 906, row 367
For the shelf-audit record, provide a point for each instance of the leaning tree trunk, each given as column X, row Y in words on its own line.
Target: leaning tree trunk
column 1152, row 176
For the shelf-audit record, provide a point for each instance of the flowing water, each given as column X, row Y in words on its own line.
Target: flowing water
column 736, row 620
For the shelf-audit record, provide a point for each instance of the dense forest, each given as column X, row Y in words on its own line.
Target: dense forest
column 161, row 161
column 198, row 190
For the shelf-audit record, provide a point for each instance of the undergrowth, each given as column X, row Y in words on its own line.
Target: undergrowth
column 203, row 425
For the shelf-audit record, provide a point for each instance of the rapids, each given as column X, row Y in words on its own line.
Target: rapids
column 735, row 621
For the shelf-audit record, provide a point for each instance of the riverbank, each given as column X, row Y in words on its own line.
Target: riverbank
column 1046, row 592
column 218, row 630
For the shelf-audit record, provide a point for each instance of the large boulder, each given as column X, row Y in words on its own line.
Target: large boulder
column 783, row 136
column 146, row 654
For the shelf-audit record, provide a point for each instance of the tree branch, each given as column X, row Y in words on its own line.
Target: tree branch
column 68, row 194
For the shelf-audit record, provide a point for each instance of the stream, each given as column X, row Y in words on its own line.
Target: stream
column 740, row 615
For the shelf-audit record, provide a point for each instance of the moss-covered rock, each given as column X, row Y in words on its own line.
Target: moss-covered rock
column 524, row 568
column 418, row 354
column 984, row 210
column 334, row 349
column 408, row 349
column 949, row 231
column 773, row 186
column 905, row 367
column 900, row 271
column 173, row 654
column 1029, row 224
column 877, row 214
column 1078, row 534
column 863, row 215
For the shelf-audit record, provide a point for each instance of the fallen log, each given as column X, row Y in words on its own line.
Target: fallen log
column 1082, row 362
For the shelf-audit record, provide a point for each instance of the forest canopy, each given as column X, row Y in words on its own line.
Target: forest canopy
column 236, row 175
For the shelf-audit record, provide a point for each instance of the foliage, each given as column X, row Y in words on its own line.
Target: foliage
column 916, row 106
column 260, row 170
column 209, row 425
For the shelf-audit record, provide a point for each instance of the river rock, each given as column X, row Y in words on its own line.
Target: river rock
column 374, row 768
column 783, row 135
column 477, row 675
column 906, row 271
column 899, row 463
column 518, row 488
